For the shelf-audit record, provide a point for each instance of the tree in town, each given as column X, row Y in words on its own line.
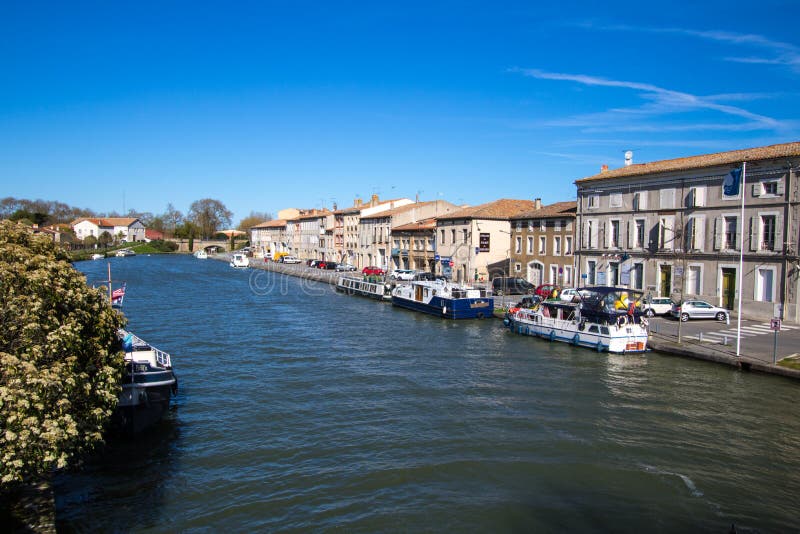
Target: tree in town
column 253, row 219
column 209, row 215
column 172, row 219
column 105, row 238
column 59, row 355
column 89, row 241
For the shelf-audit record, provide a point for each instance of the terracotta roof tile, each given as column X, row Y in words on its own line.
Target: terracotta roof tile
column 504, row 208
column 557, row 209
column 275, row 223
column 732, row 157
column 425, row 224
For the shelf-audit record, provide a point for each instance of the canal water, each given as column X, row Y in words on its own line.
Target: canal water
column 303, row 409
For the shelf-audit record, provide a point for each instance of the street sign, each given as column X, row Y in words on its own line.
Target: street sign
column 436, row 258
column 775, row 324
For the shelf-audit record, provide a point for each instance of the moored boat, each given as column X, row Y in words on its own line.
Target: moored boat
column 607, row 319
column 240, row 260
column 365, row 288
column 201, row 254
column 147, row 385
column 444, row 299
column 98, row 256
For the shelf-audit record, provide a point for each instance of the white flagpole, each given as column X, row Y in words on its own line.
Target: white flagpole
column 741, row 265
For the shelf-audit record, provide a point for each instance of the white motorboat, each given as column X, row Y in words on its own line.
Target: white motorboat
column 240, row 260
column 607, row 319
column 201, row 254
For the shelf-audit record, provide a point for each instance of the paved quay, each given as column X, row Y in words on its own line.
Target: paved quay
column 702, row 339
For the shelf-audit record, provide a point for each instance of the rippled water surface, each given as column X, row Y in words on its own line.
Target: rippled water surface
column 303, row 409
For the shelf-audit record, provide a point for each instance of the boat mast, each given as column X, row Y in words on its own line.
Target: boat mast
column 110, row 294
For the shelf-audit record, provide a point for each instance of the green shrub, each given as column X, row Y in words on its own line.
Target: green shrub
column 60, row 365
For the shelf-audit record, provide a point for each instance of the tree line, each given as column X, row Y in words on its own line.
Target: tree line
column 205, row 218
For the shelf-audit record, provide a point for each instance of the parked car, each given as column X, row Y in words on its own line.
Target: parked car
column 424, row 275
column 289, row 259
column 370, row 270
column 512, row 286
column 569, row 294
column 657, row 306
column 402, row 274
column 699, row 309
column 313, row 263
column 345, row 267
column 330, row 265
column 545, row 290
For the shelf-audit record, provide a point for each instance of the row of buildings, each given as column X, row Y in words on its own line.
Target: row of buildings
column 679, row 228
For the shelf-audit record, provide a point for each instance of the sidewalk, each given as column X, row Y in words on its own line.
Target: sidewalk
column 716, row 342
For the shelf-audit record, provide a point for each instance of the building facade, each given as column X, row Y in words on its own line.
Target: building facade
column 543, row 244
column 473, row 243
column 719, row 227
column 128, row 229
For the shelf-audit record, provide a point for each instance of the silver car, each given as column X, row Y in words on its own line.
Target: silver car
column 699, row 309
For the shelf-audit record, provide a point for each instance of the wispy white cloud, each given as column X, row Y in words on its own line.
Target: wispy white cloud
column 777, row 52
column 658, row 101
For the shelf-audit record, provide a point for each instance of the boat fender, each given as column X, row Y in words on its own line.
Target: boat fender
column 552, row 335
column 645, row 322
column 599, row 346
column 506, row 322
column 576, row 339
column 444, row 310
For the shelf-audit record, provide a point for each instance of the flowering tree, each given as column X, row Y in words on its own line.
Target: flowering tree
column 59, row 363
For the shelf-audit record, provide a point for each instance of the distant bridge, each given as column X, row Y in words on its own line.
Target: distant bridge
column 221, row 244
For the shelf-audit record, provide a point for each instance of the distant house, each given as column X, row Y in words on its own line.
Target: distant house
column 126, row 228
column 153, row 235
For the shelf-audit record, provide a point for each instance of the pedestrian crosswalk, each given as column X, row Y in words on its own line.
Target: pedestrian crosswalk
column 728, row 335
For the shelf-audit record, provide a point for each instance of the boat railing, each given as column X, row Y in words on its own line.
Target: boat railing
column 162, row 358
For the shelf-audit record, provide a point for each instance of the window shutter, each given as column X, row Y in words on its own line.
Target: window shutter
column 585, row 236
column 779, row 234
column 757, row 189
column 630, row 234
column 699, row 234
column 670, row 236
column 753, row 233
column 643, row 200
column 780, row 187
column 700, row 196
column 718, row 230
column 607, row 235
column 594, row 241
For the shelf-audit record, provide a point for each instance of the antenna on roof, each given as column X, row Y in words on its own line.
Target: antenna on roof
column 628, row 158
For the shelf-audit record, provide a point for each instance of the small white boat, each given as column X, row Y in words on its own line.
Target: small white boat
column 239, row 260
column 123, row 252
column 98, row 256
column 607, row 319
column 201, row 254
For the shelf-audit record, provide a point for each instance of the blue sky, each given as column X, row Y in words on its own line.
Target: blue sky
column 266, row 105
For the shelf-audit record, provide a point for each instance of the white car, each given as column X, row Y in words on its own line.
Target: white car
column 568, row 294
column 402, row 274
column 290, row 259
column 657, row 306
column 698, row 309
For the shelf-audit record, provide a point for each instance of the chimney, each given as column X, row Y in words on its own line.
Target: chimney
column 334, row 206
column 374, row 200
column 537, row 203
column 603, row 168
column 357, row 202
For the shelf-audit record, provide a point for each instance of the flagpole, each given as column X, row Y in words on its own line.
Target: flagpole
column 741, row 265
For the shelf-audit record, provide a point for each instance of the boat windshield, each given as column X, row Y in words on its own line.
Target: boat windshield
column 611, row 299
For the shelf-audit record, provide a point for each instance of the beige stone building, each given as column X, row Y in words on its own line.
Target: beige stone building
column 676, row 228
column 543, row 244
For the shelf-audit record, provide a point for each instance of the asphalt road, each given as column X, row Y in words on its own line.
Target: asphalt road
column 757, row 339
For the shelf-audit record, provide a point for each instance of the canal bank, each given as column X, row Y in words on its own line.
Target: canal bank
column 756, row 356
column 304, row 409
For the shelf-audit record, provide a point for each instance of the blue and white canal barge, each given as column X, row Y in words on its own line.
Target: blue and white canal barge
column 365, row 287
column 148, row 385
column 444, row 299
column 607, row 319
